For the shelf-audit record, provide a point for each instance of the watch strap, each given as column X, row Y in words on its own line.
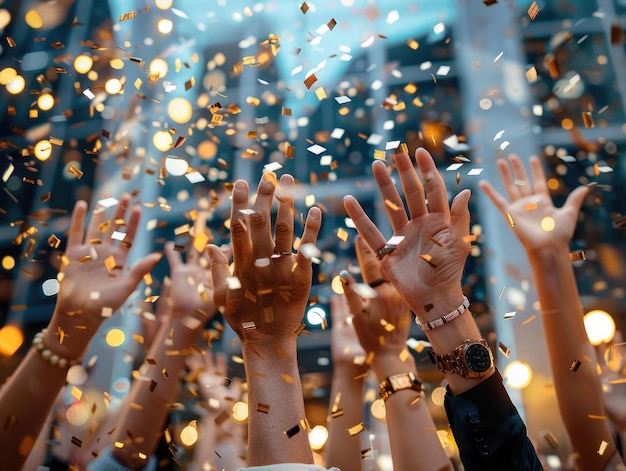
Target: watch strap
column 399, row 382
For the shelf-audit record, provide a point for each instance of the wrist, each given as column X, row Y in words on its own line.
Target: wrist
column 437, row 303
column 386, row 364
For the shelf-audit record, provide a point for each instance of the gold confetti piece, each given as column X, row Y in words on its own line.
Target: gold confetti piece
column 300, row 328
column 110, row 264
column 551, row 439
column 588, row 119
column 320, row 93
column 435, row 241
column 510, row 219
column 602, row 448
column 151, row 299
column 577, row 256
column 391, row 205
column 292, row 431
column 76, row 172
column 152, row 385
column 428, row 258
column 250, row 325
column 84, row 259
column 54, row 241
column 506, row 351
column 342, row 234
column 304, row 7
column 356, row 429
column 310, row 80
column 128, row 16
column 11, row 41
column 55, row 141
column 531, row 75
column 553, row 67
column 529, row 320
column 262, row 407
column 413, row 44
column 287, row 378
column 575, row 365
column 510, row 315
column 380, row 154
column 404, row 355
column 596, row 417
column 337, row 413
column 533, row 10
column 490, row 2
column 617, row 34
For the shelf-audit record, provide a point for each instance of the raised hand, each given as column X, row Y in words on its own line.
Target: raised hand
column 381, row 317
column 94, row 276
column 212, row 379
column 529, row 210
column 427, row 264
column 267, row 296
column 264, row 304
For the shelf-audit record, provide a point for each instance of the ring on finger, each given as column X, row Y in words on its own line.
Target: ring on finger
column 385, row 250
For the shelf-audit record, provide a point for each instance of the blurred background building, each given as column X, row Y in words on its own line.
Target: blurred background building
column 173, row 100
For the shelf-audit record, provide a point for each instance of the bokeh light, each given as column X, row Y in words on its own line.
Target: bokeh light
column 600, row 326
column 518, row 374
column 179, row 110
column 189, row 434
column 115, row 337
column 45, row 102
column 43, row 150
column 318, row 437
column 162, row 140
column 11, row 338
column 83, row 63
column 16, row 85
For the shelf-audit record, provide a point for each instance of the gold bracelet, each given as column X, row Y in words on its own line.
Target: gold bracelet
column 48, row 356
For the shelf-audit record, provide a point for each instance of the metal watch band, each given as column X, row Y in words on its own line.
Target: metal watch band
column 399, row 382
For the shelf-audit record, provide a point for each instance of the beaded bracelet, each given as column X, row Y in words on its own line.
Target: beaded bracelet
column 445, row 319
column 48, row 356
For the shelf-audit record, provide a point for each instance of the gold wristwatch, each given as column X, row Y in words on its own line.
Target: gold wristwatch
column 471, row 359
column 399, row 382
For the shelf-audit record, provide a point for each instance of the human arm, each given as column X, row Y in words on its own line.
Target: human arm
column 189, row 300
column 218, row 394
column 346, row 389
column 382, row 325
column 93, row 277
column 265, row 311
column 545, row 232
column 426, row 268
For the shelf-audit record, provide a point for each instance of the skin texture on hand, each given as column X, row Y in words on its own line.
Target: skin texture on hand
column 264, row 303
column 545, row 232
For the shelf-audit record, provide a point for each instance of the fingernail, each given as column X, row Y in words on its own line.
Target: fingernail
column 343, row 276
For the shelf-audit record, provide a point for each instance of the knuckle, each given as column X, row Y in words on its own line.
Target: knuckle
column 258, row 220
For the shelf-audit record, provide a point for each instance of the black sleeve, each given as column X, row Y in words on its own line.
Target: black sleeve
column 488, row 430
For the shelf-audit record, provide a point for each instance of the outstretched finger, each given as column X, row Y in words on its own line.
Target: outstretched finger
column 311, row 230
column 353, row 298
column 370, row 265
column 540, row 184
column 131, row 227
column 77, row 224
column 118, row 220
column 511, row 189
column 173, row 256
column 460, row 215
column 284, row 219
column 239, row 227
column 433, row 182
column 366, row 228
column 394, row 207
column 260, row 219
column 220, row 272
column 496, row 198
column 411, row 186
column 95, row 223
column 522, row 182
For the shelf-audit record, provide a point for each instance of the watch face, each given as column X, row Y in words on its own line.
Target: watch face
column 477, row 358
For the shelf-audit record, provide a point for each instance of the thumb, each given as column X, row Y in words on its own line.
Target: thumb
column 575, row 199
column 143, row 266
column 459, row 214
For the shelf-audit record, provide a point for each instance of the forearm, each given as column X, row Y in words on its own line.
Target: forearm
column 412, row 432
column 276, row 406
column 572, row 357
column 346, row 395
column 142, row 420
column 29, row 395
